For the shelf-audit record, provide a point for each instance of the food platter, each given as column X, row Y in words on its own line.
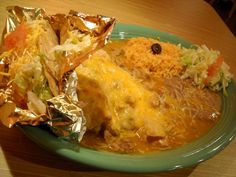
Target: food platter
column 191, row 154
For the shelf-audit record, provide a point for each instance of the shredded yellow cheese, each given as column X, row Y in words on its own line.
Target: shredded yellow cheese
column 31, row 48
column 129, row 104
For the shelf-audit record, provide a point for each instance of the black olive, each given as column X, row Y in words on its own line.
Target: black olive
column 156, row 48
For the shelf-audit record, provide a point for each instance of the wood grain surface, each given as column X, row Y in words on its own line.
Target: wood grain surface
column 193, row 20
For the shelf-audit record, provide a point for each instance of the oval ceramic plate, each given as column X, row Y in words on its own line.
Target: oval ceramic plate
column 202, row 149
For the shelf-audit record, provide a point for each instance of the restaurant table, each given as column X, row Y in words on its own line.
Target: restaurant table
column 194, row 20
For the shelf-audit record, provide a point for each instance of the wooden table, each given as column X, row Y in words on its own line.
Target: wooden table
column 193, row 20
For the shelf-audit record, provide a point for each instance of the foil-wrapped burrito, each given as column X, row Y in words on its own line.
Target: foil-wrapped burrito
column 38, row 55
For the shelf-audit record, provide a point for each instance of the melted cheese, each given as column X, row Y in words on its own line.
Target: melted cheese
column 117, row 99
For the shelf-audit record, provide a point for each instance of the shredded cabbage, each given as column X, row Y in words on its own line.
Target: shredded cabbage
column 76, row 42
column 27, row 71
column 197, row 61
column 30, row 76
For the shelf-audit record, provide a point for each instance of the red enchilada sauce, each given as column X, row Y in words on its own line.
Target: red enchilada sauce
column 191, row 112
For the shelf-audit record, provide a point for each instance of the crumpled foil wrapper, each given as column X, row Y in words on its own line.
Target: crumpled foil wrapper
column 18, row 14
column 98, row 27
column 68, row 119
column 64, row 114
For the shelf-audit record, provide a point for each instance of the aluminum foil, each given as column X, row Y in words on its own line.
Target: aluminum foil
column 70, row 84
column 98, row 27
column 18, row 14
column 64, row 114
column 68, row 119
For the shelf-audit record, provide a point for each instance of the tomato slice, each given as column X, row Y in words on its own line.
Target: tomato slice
column 19, row 98
column 16, row 38
column 214, row 68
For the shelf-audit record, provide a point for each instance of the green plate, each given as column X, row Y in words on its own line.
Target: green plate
column 191, row 154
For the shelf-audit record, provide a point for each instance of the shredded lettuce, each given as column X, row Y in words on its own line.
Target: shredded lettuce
column 27, row 71
column 30, row 77
column 76, row 42
column 197, row 61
